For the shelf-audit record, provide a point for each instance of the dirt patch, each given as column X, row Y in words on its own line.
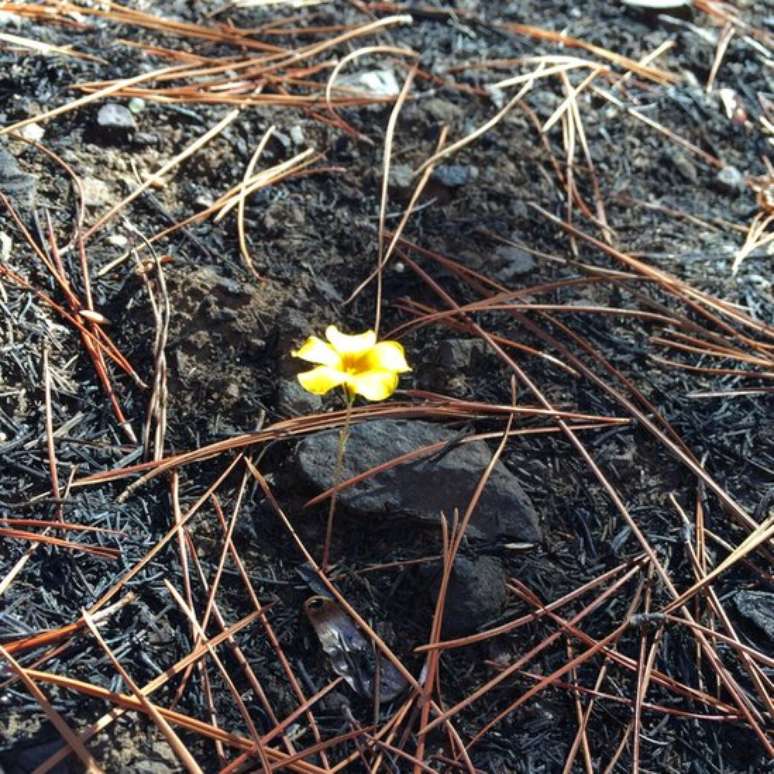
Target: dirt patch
column 670, row 181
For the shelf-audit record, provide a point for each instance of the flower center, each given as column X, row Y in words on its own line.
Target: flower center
column 353, row 364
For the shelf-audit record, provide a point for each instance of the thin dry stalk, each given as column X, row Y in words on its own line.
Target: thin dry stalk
column 720, row 52
column 221, row 668
column 388, row 142
column 242, row 198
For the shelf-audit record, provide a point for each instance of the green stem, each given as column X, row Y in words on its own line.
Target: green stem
column 337, row 471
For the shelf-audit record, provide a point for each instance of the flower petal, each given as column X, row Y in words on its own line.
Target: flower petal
column 387, row 356
column 320, row 380
column 315, row 350
column 352, row 346
column 373, row 385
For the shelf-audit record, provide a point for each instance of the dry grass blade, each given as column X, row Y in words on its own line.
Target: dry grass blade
column 388, row 141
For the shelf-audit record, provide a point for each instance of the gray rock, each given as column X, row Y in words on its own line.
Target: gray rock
column 455, row 175
column 421, row 489
column 294, row 400
column 459, row 354
column 442, row 110
column 114, row 116
column 512, row 262
column 476, row 594
column 758, row 608
column 19, row 186
column 729, row 181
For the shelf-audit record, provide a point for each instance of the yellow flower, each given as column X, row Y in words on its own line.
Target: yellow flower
column 359, row 363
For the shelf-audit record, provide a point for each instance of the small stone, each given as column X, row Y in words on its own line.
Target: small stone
column 442, row 110
column 476, row 594
column 729, row 180
column 401, row 179
column 297, row 135
column 372, row 83
column 136, row 105
column 412, row 489
column 292, row 329
column 459, row 354
column 455, row 175
column 117, row 240
column 32, row 132
column 512, row 262
column 114, row 116
column 293, row 400
column 95, row 192
column 6, row 243
column 282, row 139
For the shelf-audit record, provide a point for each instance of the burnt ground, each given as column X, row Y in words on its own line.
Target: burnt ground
column 313, row 238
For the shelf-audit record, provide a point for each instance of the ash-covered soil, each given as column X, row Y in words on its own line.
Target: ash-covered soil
column 679, row 201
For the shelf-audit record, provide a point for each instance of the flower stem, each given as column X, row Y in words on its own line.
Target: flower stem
column 337, row 471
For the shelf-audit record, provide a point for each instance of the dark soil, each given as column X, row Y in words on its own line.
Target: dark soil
column 313, row 239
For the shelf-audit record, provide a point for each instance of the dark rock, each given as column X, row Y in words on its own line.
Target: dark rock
column 459, row 354
column 19, row 186
column 293, row 328
column 758, row 608
column 729, row 181
column 294, row 400
column 512, row 262
column 476, row 594
column 455, row 175
column 421, row 489
column 114, row 116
